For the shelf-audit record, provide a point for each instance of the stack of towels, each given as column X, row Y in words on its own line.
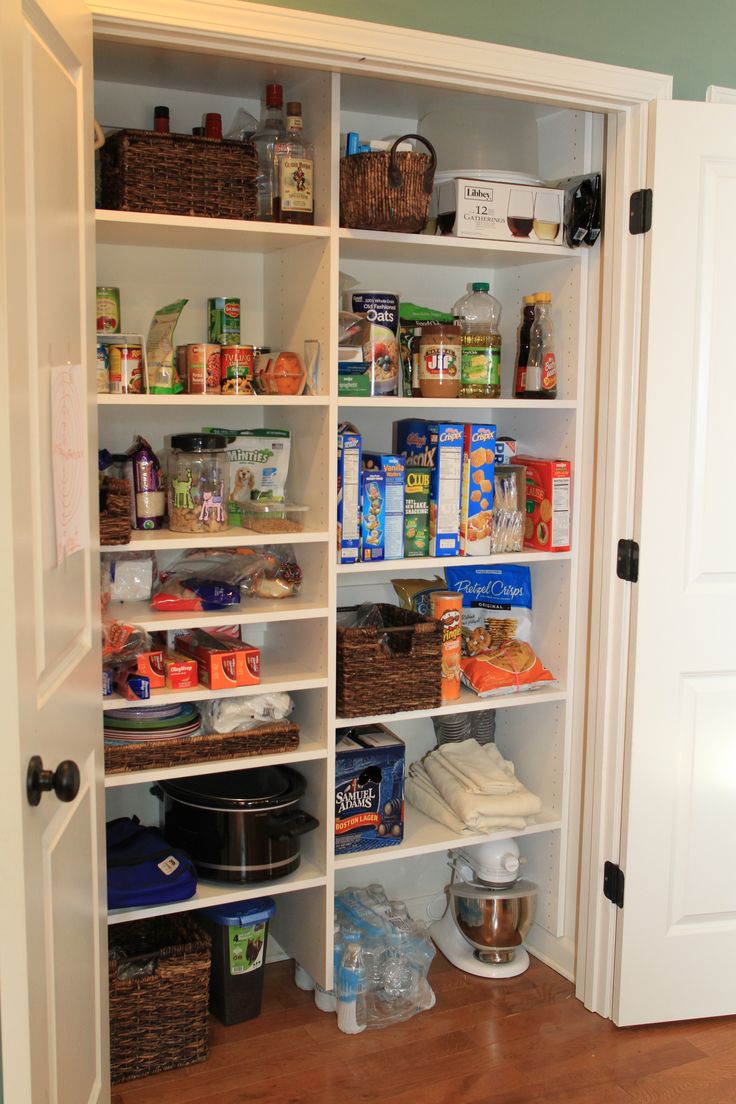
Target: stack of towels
column 470, row 788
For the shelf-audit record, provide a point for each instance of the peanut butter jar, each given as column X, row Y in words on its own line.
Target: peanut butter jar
column 440, row 354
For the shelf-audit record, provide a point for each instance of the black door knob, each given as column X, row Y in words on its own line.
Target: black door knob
column 64, row 781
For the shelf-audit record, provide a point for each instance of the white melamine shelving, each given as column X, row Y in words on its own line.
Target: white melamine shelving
column 180, row 232
column 205, row 402
column 277, row 680
column 164, row 540
column 248, row 613
column 468, row 702
column 438, row 563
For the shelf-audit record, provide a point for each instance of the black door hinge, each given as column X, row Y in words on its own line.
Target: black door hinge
column 613, row 883
column 640, row 211
column 627, row 561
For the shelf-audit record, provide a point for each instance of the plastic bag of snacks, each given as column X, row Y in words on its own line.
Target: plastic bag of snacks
column 218, row 578
column 163, row 378
column 414, row 594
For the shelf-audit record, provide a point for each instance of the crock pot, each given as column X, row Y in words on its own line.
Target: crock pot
column 240, row 826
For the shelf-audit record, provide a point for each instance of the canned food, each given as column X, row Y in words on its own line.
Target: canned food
column 236, row 376
column 103, row 378
column 447, row 607
column 125, row 369
column 180, row 360
column 108, row 310
column 203, row 369
column 224, row 321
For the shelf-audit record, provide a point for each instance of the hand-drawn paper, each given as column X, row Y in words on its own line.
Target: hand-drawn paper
column 69, row 460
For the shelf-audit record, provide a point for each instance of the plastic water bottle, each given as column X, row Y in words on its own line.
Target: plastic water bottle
column 325, row 999
column 399, row 978
column 479, row 314
column 350, row 986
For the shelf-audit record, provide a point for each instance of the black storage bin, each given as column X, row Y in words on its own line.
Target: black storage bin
column 239, row 942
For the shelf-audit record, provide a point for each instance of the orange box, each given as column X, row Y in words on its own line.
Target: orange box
column 181, row 672
column 548, row 488
column 151, row 664
column 221, row 664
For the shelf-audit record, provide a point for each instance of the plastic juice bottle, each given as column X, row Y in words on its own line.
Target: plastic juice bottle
column 541, row 371
column 479, row 314
column 522, row 358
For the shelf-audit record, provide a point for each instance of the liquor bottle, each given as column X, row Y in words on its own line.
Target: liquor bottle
column 293, row 199
column 264, row 140
column 522, row 358
column 541, row 371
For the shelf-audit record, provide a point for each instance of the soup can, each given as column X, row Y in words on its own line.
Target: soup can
column 103, row 372
column 108, row 310
column 223, row 315
column 447, row 608
column 381, row 309
column 180, row 360
column 203, row 369
column 236, row 376
column 125, row 369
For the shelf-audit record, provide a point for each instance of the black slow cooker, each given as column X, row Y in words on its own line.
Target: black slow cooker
column 240, row 826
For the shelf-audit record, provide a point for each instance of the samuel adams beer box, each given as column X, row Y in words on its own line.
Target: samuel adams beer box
column 369, row 789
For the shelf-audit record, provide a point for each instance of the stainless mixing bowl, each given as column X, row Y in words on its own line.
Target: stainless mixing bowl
column 494, row 921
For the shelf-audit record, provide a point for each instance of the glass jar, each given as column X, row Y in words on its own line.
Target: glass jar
column 439, row 361
column 198, row 482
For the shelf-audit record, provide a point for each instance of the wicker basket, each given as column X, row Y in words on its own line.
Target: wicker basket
column 178, row 174
column 387, row 190
column 403, row 671
column 178, row 751
column 158, row 1021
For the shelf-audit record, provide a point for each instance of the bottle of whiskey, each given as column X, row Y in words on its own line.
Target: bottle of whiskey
column 293, row 199
column 270, row 130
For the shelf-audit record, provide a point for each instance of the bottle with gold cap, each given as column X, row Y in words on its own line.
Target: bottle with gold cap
column 522, row 357
column 541, row 370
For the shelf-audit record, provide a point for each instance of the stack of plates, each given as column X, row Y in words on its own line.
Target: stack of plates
column 143, row 725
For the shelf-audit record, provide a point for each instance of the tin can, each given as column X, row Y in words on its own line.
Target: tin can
column 447, row 607
column 224, row 321
column 236, row 376
column 203, row 369
column 103, row 371
column 180, row 360
column 125, row 369
column 108, row 310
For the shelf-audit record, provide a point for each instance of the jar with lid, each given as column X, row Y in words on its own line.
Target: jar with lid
column 197, row 483
column 439, row 361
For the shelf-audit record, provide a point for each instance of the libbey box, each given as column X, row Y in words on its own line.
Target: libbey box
column 501, row 212
column 369, row 789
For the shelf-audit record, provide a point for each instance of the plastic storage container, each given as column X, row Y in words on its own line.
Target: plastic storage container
column 198, row 481
column 267, row 516
column 239, row 940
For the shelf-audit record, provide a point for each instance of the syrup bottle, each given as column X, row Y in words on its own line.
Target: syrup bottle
column 541, row 371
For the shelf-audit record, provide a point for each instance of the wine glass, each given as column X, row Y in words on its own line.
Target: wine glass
column 520, row 212
column 546, row 215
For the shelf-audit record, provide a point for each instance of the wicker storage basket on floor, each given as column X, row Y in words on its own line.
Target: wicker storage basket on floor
column 178, row 174
column 403, row 671
column 387, row 190
column 176, row 752
column 158, row 1021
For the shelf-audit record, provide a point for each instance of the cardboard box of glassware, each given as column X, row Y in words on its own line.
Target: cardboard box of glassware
column 501, row 212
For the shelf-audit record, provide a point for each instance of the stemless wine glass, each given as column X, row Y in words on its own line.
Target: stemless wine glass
column 546, row 215
column 520, row 212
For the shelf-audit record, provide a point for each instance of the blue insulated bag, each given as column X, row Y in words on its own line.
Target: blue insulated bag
column 142, row 869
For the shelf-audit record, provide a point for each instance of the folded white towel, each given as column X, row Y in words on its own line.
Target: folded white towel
column 423, row 795
column 474, row 809
column 478, row 769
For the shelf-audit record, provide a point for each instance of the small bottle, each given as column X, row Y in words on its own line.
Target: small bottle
column 198, row 132
column 522, row 358
column 213, row 125
column 479, row 314
column 541, row 371
column 293, row 177
column 350, row 986
column 161, row 120
column 270, row 130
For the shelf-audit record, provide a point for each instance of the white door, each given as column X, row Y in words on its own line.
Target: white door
column 676, row 933
column 52, row 942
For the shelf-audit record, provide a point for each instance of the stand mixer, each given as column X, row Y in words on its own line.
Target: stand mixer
column 489, row 911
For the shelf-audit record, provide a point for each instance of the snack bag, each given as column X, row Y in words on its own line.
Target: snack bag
column 163, row 378
column 259, row 467
column 414, row 594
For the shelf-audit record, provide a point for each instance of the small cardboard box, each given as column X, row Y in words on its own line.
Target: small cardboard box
column 373, row 515
column 180, row 672
column 439, row 447
column 394, row 468
column 349, row 449
column 548, row 487
column 151, row 664
column 416, row 512
column 505, row 450
column 221, row 664
column 476, row 503
column 369, row 789
column 500, row 212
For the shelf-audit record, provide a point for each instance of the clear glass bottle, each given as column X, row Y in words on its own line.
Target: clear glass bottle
column 478, row 313
column 264, row 140
column 541, row 371
column 293, row 199
column 522, row 356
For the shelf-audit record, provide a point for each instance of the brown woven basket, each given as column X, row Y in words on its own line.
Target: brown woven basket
column 178, row 174
column 178, row 751
column 158, row 1021
column 405, row 672
column 115, row 524
column 387, row 190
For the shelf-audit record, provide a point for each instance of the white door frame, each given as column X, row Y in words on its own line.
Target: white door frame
column 352, row 46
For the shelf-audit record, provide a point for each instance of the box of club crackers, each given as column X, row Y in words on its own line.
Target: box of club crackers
column 349, row 449
column 439, row 447
column 416, row 512
column 373, row 515
column 548, row 488
column 394, row 469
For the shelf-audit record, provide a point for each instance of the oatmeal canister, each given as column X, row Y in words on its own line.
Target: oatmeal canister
column 381, row 351
column 236, row 376
column 198, row 478
column 447, row 607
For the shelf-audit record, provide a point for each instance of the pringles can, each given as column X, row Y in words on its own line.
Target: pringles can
column 447, row 608
column 223, row 315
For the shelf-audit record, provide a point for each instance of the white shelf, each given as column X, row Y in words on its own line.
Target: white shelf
column 428, row 249
column 437, row 563
column 160, row 540
column 210, row 893
column 468, row 702
column 260, row 610
column 185, row 232
column 423, row 836
column 282, row 677
column 212, row 400
column 444, row 410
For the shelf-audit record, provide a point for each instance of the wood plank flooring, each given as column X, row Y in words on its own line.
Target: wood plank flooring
column 522, row 1041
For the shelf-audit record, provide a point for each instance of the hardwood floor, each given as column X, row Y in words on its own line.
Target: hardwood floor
column 522, row 1041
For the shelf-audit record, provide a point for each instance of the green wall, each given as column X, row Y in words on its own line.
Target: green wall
column 695, row 42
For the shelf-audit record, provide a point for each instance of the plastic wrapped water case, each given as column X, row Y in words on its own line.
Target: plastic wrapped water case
column 239, row 942
column 369, row 789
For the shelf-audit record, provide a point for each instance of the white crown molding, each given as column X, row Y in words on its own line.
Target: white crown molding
column 347, row 45
column 716, row 93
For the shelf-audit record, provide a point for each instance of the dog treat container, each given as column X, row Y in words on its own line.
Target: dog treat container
column 197, row 484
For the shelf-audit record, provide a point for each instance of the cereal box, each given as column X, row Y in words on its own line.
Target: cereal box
column 373, row 515
column 547, row 521
column 476, row 503
column 439, row 447
column 349, row 449
column 394, row 468
column 416, row 512
column 369, row 789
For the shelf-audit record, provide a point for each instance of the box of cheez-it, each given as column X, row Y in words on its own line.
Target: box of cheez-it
column 547, row 517
column 369, row 789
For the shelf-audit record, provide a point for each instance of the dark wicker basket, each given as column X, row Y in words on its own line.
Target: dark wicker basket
column 178, row 174
column 402, row 671
column 387, row 190
column 158, row 1021
column 115, row 524
column 178, row 751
